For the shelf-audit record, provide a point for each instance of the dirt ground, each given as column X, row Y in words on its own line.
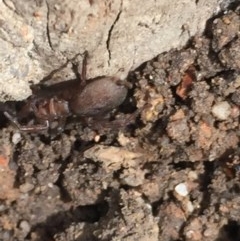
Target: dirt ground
column 171, row 174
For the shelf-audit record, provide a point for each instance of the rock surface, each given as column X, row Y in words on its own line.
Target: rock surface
column 37, row 39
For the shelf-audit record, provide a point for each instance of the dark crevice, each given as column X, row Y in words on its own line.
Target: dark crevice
column 64, row 194
column 230, row 231
column 58, row 222
column 229, row 5
column 110, row 33
column 205, row 180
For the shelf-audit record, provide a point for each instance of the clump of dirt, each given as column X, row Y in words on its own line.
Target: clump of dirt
column 172, row 174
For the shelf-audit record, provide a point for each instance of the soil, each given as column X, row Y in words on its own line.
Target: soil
column 170, row 173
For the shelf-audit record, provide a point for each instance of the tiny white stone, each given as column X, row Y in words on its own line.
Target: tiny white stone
column 16, row 138
column 190, row 207
column 181, row 189
column 50, row 185
column 97, row 138
column 221, row 110
column 25, row 226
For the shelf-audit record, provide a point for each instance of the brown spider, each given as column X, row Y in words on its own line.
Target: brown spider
column 85, row 98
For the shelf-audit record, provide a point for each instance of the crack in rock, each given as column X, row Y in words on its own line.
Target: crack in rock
column 110, row 32
column 47, row 27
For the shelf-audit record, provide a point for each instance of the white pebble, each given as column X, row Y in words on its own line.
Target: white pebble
column 190, row 207
column 16, row 138
column 24, row 225
column 181, row 189
column 97, row 138
column 221, row 110
column 50, row 185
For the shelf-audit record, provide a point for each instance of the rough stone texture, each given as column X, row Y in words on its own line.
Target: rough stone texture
column 117, row 183
column 39, row 37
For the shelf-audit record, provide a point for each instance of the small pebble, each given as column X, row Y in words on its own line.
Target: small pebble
column 50, row 185
column 26, row 187
column 208, row 232
column 123, row 140
column 181, row 189
column 16, row 138
column 131, row 178
column 97, row 138
column 24, row 225
column 192, row 175
column 221, row 110
column 2, row 208
column 189, row 234
column 190, row 207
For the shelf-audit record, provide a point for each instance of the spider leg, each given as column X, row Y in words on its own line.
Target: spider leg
column 30, row 128
column 84, row 67
column 124, row 83
column 81, row 73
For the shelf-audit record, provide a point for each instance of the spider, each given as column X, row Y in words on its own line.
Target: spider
column 81, row 97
